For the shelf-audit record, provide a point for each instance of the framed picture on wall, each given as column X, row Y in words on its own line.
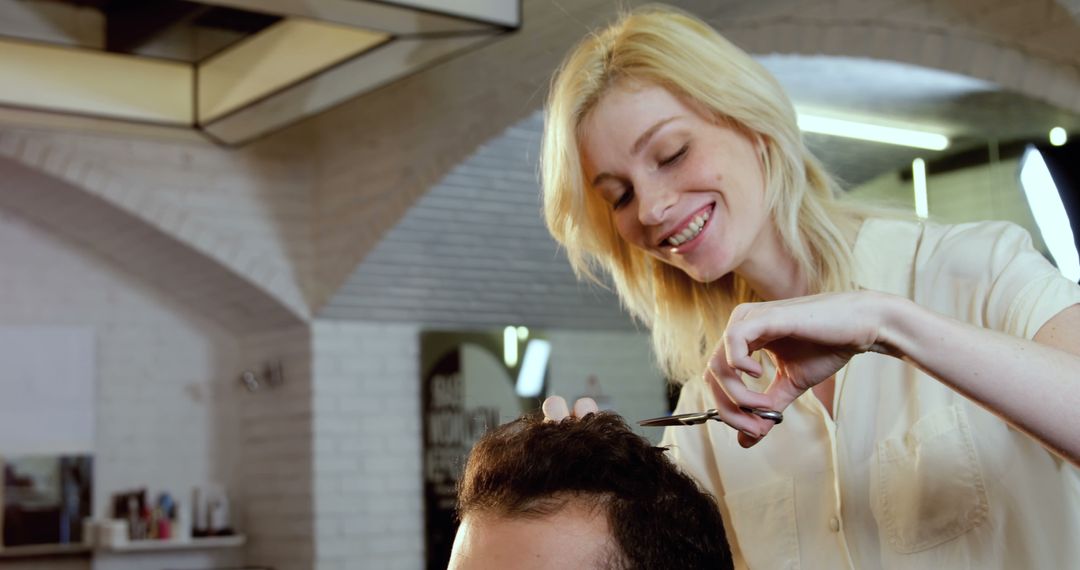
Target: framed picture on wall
column 45, row 498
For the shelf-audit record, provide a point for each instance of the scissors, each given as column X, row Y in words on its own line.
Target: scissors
column 696, row 418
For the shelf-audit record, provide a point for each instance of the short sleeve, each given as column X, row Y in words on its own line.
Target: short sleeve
column 997, row 276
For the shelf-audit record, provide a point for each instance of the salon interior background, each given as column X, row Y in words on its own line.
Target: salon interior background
column 330, row 244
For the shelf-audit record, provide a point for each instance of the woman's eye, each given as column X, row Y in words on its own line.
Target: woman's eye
column 623, row 199
column 675, row 157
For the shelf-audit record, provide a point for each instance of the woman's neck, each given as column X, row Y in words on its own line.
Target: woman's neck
column 771, row 271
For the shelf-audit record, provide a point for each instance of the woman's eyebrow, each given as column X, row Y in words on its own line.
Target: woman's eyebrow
column 638, row 145
column 645, row 136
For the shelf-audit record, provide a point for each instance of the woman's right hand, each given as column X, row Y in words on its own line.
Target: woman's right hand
column 556, row 410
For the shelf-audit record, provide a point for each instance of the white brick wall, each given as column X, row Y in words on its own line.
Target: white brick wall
column 368, row 492
column 276, row 453
column 474, row 252
column 165, row 390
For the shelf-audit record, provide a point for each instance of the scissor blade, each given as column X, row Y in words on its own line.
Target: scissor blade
column 702, row 417
column 665, row 421
column 679, row 419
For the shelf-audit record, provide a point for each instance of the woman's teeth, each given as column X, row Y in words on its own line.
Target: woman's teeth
column 691, row 231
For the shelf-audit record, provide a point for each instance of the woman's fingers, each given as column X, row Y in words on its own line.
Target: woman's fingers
column 556, row 410
column 747, row 332
column 585, row 406
column 738, row 352
column 731, row 395
column 783, row 392
column 727, row 378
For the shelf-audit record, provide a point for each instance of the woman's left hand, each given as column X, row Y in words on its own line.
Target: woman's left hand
column 808, row 339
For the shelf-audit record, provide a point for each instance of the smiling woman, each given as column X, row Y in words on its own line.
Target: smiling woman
column 913, row 362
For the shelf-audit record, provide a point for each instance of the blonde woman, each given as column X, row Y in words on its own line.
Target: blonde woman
column 929, row 375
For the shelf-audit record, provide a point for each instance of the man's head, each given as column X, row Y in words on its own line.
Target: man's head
column 582, row 493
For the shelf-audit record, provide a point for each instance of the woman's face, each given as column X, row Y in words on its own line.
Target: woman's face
column 684, row 188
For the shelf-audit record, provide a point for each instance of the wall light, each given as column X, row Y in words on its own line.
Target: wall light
column 918, row 175
column 1058, row 136
column 530, row 380
column 1049, row 212
column 510, row 347
column 869, row 132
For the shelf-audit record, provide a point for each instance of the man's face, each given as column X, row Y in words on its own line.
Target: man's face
column 576, row 536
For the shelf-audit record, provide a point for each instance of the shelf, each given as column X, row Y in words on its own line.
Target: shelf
column 205, row 543
column 37, row 550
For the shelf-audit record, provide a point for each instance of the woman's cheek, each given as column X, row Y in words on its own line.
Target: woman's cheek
column 628, row 230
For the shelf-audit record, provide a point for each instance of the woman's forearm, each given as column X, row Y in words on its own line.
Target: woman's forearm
column 1033, row 387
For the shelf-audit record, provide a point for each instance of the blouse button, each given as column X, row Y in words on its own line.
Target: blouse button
column 834, row 524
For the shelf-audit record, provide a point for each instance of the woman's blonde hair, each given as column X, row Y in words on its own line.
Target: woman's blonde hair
column 665, row 47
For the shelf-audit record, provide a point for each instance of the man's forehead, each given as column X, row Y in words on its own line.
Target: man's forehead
column 574, row 536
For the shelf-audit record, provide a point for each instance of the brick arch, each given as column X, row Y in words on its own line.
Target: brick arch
column 140, row 248
column 1011, row 63
column 146, row 181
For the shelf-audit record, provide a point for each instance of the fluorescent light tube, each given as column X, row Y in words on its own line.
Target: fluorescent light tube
column 869, row 132
column 510, row 347
column 918, row 176
column 530, row 380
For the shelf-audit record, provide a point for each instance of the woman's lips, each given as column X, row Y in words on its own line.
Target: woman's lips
column 690, row 244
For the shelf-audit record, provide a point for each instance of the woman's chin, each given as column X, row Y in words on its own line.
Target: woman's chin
column 704, row 274
column 708, row 268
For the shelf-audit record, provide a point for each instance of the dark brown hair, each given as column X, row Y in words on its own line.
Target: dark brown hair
column 658, row 516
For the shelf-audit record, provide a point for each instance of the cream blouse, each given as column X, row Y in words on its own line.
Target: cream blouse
column 910, row 474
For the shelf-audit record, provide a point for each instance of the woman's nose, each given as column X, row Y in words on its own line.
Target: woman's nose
column 653, row 204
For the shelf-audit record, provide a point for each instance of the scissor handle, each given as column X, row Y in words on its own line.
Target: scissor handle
column 771, row 415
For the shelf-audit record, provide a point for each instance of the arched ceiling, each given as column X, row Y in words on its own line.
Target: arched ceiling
column 426, row 125
column 368, row 162
column 162, row 261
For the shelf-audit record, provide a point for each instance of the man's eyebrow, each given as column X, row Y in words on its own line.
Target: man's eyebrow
column 638, row 145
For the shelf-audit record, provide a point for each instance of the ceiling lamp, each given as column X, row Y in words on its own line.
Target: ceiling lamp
column 837, row 127
column 231, row 70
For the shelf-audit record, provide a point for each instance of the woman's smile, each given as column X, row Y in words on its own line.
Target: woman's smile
column 686, row 236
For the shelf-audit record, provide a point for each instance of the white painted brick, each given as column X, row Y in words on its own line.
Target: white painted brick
column 984, row 60
column 10, row 143
column 33, row 151
column 932, row 51
column 1010, row 69
column 1063, row 86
